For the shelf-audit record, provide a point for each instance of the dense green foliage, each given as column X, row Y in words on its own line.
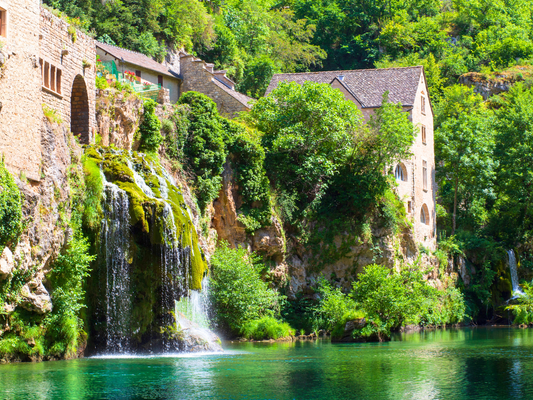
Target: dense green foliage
column 10, row 209
column 60, row 332
column 150, row 129
column 201, row 141
column 323, row 161
column 523, row 307
column 239, row 295
column 266, row 328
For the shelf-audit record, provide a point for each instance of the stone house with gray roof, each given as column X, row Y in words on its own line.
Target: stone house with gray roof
column 187, row 74
column 415, row 176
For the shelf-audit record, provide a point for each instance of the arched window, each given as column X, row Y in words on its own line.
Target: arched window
column 400, row 173
column 424, row 215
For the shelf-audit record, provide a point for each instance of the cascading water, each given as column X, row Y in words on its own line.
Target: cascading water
column 150, row 259
column 514, row 274
column 115, row 240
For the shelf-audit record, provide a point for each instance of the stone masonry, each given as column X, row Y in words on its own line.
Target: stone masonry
column 20, row 89
column 74, row 55
column 43, row 61
column 201, row 77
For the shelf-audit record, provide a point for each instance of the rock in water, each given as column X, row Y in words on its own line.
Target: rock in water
column 193, row 338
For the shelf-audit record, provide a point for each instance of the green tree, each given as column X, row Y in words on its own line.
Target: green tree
column 513, row 151
column 309, row 132
column 238, row 293
column 150, row 129
column 464, row 144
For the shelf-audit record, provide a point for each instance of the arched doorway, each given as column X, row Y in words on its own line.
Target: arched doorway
column 79, row 110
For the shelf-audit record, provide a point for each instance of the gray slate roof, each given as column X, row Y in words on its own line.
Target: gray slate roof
column 241, row 98
column 135, row 58
column 366, row 85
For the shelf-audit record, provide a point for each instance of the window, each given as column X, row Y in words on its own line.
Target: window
column 160, row 80
column 409, row 207
column 400, row 173
column 138, row 73
column 51, row 77
column 3, row 22
column 423, row 105
column 425, row 174
column 423, row 134
column 424, row 215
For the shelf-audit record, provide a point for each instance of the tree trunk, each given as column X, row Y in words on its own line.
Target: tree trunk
column 455, row 205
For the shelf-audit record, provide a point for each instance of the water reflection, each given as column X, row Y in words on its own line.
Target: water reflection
column 443, row 364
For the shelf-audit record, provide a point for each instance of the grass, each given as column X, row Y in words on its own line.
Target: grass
column 51, row 115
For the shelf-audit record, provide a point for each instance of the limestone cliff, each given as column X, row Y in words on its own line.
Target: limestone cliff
column 46, row 212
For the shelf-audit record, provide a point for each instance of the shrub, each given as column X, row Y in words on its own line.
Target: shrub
column 391, row 299
column 237, row 291
column 334, row 307
column 523, row 309
column 266, row 328
column 150, row 129
column 10, row 208
column 101, row 82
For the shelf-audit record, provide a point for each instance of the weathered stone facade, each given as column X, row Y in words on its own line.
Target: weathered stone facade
column 74, row 55
column 201, row 77
column 20, row 89
column 41, row 63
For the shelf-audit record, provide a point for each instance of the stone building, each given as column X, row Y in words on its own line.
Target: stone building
column 67, row 60
column 44, row 63
column 202, row 77
column 20, row 87
column 143, row 67
column 415, row 176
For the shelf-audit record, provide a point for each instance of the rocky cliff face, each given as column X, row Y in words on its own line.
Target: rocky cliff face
column 118, row 116
column 46, row 212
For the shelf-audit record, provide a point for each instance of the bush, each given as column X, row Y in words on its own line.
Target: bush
column 523, row 309
column 237, row 291
column 334, row 307
column 266, row 328
column 391, row 299
column 150, row 129
column 10, row 208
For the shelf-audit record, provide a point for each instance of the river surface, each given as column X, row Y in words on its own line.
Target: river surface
column 477, row 363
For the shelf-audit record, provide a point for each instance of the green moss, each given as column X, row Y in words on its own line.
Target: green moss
column 137, row 200
column 116, row 169
column 92, row 210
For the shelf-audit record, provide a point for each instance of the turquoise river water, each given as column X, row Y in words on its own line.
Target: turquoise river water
column 476, row 363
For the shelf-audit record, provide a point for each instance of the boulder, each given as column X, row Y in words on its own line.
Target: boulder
column 6, row 264
column 191, row 337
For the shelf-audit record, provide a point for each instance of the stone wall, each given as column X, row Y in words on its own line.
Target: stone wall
column 199, row 76
column 74, row 54
column 20, row 89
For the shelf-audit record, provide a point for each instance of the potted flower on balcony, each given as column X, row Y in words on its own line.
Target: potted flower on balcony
column 146, row 85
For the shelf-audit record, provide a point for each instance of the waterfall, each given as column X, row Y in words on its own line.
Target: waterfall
column 150, row 259
column 115, row 241
column 514, row 274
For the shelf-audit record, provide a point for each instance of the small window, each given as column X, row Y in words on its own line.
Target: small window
column 425, row 174
column 138, row 73
column 424, row 215
column 46, row 76
column 423, row 134
column 423, row 105
column 400, row 173
column 51, row 77
column 409, row 207
column 160, row 80
column 3, row 22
